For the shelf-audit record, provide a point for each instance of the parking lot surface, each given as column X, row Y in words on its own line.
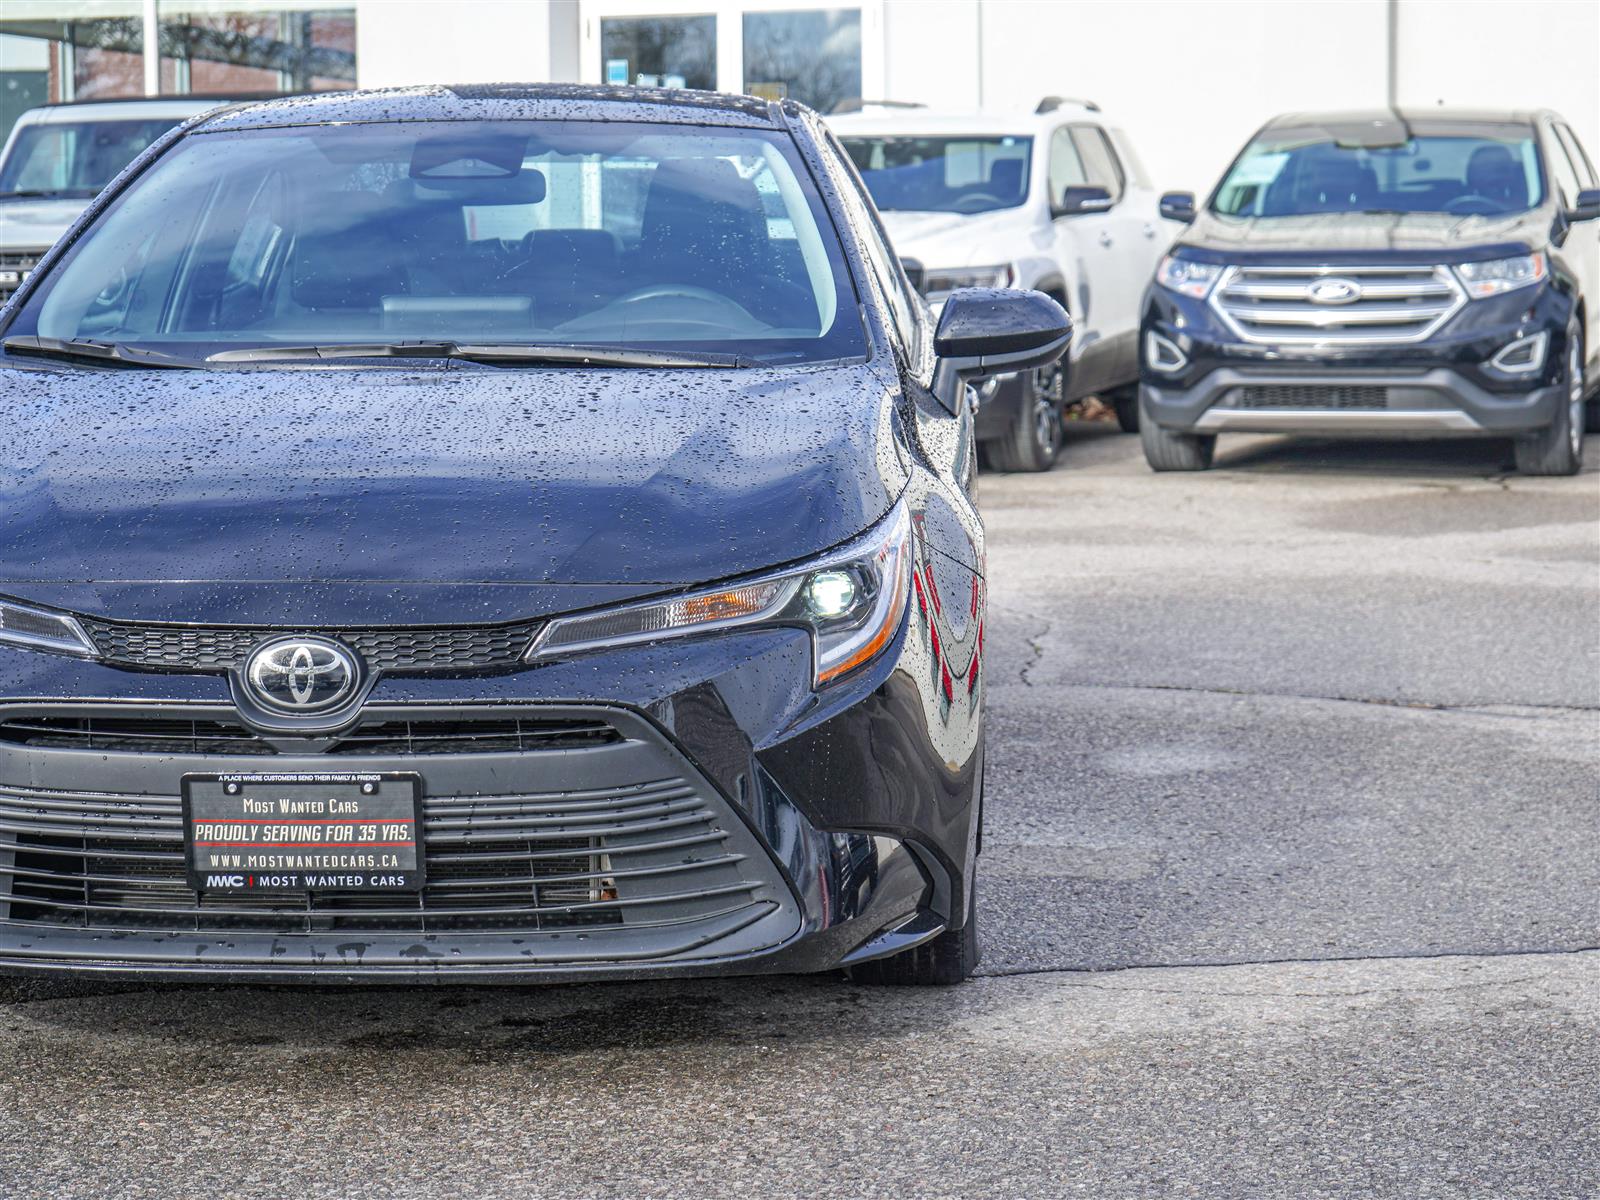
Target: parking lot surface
column 1290, row 888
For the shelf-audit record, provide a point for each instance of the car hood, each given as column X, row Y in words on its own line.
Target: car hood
column 36, row 224
column 939, row 239
column 403, row 496
column 1357, row 232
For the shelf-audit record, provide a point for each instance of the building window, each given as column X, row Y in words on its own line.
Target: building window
column 811, row 55
column 256, row 48
column 670, row 52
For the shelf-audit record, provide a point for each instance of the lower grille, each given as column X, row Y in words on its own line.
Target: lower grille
column 15, row 267
column 1317, row 395
column 647, row 855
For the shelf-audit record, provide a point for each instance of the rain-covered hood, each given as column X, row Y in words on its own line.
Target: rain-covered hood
column 34, row 225
column 940, row 239
column 1341, row 232
column 420, row 496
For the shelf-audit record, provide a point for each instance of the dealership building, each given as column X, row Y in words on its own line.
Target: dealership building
column 1188, row 79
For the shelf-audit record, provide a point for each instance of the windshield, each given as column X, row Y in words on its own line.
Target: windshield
column 943, row 174
column 1298, row 172
column 75, row 160
column 675, row 237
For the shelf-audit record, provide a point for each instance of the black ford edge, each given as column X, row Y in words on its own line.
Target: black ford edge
column 500, row 533
column 1427, row 273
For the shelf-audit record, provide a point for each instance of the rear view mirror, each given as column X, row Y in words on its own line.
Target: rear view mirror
column 1587, row 208
column 995, row 331
column 1178, row 206
column 1082, row 198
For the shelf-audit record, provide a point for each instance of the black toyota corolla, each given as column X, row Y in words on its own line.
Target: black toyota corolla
column 497, row 533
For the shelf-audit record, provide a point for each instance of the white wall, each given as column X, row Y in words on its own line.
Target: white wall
column 400, row 42
column 1466, row 55
column 1191, row 79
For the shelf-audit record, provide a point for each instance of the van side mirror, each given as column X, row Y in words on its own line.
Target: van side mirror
column 1081, row 198
column 1178, row 206
column 1587, row 207
column 995, row 331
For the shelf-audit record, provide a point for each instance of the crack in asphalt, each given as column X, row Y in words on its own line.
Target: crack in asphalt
column 1274, row 962
column 1035, row 650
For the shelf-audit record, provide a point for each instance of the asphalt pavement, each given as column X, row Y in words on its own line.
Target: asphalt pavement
column 1291, row 888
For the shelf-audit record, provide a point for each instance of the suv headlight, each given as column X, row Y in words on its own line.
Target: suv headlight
column 1497, row 275
column 37, row 629
column 1187, row 277
column 940, row 281
column 851, row 599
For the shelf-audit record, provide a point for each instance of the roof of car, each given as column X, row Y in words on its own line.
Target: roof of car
column 1388, row 116
column 502, row 102
column 934, row 122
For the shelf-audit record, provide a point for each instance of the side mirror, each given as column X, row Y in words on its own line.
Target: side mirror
column 1081, row 198
column 995, row 331
column 1178, row 206
column 1587, row 208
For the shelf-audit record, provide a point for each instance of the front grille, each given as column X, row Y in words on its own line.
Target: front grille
column 400, row 651
column 501, row 861
column 465, row 734
column 15, row 267
column 1342, row 305
column 1310, row 395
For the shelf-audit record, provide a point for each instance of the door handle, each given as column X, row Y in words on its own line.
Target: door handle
column 1105, row 238
column 1149, row 230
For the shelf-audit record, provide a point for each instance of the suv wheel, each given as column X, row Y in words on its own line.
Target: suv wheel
column 1032, row 440
column 1125, row 400
column 947, row 959
column 1557, row 449
column 1169, row 450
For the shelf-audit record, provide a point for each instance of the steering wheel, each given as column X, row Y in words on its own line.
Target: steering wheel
column 1474, row 205
column 683, row 291
column 977, row 202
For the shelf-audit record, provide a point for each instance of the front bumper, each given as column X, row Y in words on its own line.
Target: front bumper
column 1437, row 401
column 721, row 821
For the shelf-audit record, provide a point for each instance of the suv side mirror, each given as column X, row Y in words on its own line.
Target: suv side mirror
column 1587, row 208
column 1178, row 206
column 1081, row 198
column 995, row 331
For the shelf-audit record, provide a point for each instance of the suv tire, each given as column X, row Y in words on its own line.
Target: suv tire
column 1168, row 450
column 1032, row 440
column 1557, row 449
column 947, row 959
column 1125, row 400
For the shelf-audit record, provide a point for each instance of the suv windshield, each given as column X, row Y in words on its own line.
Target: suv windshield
column 675, row 237
column 75, row 160
column 1299, row 171
column 943, row 174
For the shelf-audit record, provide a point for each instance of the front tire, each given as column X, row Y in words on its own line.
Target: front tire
column 1032, row 440
column 1125, row 402
column 1169, row 450
column 943, row 961
column 1557, row 449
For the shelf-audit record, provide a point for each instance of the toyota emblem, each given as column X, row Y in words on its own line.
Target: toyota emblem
column 301, row 674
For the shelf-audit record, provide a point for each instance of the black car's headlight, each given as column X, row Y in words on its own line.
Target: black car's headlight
column 22, row 625
column 851, row 599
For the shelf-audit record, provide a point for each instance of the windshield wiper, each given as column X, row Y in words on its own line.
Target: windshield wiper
column 89, row 350
column 525, row 353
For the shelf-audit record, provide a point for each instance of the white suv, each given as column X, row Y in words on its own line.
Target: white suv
column 57, row 159
column 1054, row 200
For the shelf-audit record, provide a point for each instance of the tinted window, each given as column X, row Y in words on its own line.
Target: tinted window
column 1291, row 172
column 1564, row 173
column 1066, row 168
column 1575, row 151
column 1099, row 163
column 591, row 233
column 77, row 159
column 943, row 174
